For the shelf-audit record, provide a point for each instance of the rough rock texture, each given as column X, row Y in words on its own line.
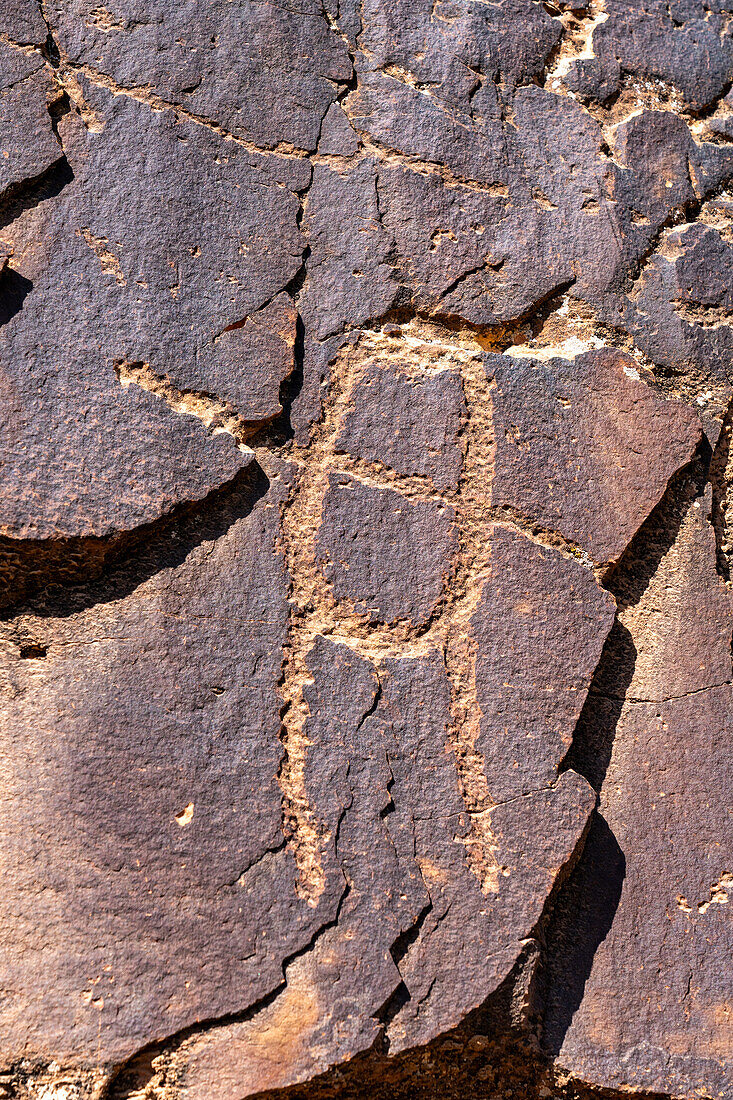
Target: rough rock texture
column 365, row 539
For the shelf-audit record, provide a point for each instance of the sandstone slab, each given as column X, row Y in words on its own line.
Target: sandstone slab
column 412, row 425
column 142, row 833
column 389, row 555
column 585, row 447
column 655, row 1010
column 318, row 755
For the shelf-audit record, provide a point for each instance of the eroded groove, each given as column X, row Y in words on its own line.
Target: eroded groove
column 215, row 415
column 301, row 827
column 314, row 609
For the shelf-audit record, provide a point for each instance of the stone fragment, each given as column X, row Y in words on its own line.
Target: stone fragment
column 455, row 47
column 352, row 788
column 464, row 929
column 388, row 554
column 539, row 629
column 140, row 748
column 22, row 22
column 332, row 1005
column 585, row 447
column 350, row 279
column 17, row 65
column 721, row 127
column 337, row 137
column 654, row 1013
column 481, row 935
column 265, row 73
column 397, row 115
column 681, row 310
column 104, row 274
column 250, row 360
column 430, row 817
column 411, row 424
column 465, row 256
column 591, row 78
column 584, row 225
column 100, row 476
column 657, row 147
column 182, row 281
column 318, row 359
column 483, row 201
column 685, row 610
column 686, row 44
column 384, row 785
column 28, row 145
column 703, row 268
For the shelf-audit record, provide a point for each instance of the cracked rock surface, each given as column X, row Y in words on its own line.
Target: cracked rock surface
column 365, row 539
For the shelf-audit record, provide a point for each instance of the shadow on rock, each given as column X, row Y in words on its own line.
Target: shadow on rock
column 580, row 921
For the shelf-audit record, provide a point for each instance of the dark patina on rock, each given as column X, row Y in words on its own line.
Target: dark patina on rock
column 389, row 555
column 311, row 751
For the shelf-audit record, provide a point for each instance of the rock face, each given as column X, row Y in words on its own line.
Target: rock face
column 665, row 799
column 365, row 536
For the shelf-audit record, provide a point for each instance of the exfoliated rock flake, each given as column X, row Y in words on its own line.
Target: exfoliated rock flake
column 366, row 530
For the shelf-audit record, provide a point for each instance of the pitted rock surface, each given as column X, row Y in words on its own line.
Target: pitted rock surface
column 365, row 538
